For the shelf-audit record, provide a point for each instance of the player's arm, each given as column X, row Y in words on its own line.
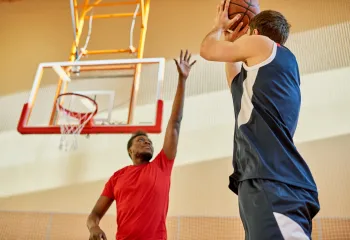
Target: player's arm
column 101, row 207
column 232, row 69
column 173, row 128
column 241, row 49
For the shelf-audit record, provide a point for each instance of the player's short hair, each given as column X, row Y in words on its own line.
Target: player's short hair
column 134, row 135
column 271, row 24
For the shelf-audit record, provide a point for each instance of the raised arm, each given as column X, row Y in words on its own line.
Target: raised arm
column 243, row 48
column 173, row 129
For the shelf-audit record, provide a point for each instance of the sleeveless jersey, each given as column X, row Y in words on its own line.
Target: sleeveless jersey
column 267, row 99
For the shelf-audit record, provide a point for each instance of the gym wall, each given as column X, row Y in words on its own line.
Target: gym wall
column 201, row 205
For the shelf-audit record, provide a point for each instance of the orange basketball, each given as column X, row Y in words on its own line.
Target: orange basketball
column 247, row 8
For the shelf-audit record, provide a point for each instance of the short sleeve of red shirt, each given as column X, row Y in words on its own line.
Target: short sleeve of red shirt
column 164, row 162
column 108, row 190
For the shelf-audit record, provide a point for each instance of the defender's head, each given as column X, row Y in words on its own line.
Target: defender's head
column 271, row 24
column 140, row 148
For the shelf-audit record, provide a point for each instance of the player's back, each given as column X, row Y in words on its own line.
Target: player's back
column 267, row 101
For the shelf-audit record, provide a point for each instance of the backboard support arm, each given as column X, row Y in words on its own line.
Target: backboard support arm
column 79, row 16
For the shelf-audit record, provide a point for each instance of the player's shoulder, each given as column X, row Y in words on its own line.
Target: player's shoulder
column 257, row 40
column 286, row 56
column 288, row 51
column 256, row 46
column 158, row 155
column 161, row 156
column 119, row 172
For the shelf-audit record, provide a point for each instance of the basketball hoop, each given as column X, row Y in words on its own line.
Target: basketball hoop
column 75, row 112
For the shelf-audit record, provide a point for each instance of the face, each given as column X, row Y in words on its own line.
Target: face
column 141, row 148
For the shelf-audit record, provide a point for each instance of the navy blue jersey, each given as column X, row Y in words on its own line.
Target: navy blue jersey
column 266, row 99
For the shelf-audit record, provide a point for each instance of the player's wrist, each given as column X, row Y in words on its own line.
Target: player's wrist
column 182, row 79
column 94, row 227
column 218, row 28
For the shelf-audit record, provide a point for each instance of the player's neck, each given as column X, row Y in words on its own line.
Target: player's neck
column 139, row 161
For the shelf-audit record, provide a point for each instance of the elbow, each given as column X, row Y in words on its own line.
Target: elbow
column 208, row 50
column 204, row 52
column 207, row 55
column 204, row 55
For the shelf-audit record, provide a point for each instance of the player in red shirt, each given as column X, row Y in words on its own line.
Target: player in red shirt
column 141, row 191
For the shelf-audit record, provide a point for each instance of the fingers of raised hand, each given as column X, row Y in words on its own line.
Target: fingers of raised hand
column 222, row 5
column 177, row 63
column 189, row 58
column 184, row 59
column 245, row 29
column 186, row 56
column 227, row 5
column 218, row 8
column 235, row 19
column 239, row 27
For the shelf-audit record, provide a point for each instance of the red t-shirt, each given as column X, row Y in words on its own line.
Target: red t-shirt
column 142, row 198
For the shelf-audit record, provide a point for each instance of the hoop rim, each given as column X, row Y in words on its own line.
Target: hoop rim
column 77, row 115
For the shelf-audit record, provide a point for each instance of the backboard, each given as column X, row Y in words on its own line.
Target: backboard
column 127, row 100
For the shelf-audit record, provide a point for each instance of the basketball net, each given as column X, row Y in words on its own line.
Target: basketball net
column 75, row 112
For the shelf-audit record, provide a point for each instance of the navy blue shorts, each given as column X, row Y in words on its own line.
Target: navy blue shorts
column 272, row 210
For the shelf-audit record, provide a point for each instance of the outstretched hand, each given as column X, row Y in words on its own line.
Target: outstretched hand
column 184, row 65
column 222, row 20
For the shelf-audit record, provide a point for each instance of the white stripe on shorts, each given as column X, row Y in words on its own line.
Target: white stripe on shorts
column 289, row 228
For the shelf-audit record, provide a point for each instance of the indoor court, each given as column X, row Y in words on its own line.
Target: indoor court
column 115, row 59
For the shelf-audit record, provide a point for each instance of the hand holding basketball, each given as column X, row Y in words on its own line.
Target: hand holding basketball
column 184, row 65
column 222, row 20
column 236, row 33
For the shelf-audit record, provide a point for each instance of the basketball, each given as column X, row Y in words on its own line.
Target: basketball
column 247, row 8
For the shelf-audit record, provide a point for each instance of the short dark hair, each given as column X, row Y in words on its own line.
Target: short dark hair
column 271, row 24
column 134, row 135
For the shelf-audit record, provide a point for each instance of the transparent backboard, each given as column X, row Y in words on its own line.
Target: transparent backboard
column 127, row 93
